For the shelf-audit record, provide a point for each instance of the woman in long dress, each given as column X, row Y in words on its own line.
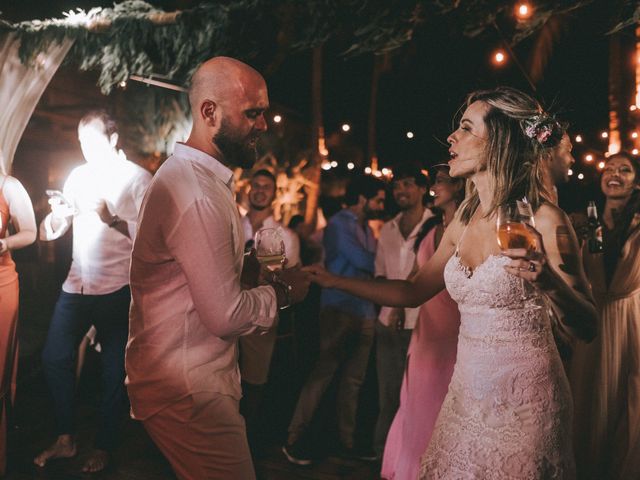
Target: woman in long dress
column 507, row 413
column 15, row 209
column 432, row 350
column 606, row 373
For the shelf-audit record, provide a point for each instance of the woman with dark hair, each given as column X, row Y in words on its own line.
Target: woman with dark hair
column 432, row 350
column 507, row 413
column 606, row 374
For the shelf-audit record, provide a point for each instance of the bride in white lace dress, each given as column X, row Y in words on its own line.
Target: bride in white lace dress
column 507, row 414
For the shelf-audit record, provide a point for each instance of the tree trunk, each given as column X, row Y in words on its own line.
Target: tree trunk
column 317, row 140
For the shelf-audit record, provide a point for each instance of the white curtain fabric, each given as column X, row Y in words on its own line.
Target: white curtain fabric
column 21, row 87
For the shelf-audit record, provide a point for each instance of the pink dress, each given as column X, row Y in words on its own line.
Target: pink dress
column 430, row 361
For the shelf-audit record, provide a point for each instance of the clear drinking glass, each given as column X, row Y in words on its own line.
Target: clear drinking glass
column 513, row 219
column 269, row 247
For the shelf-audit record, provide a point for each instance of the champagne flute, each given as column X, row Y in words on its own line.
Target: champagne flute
column 269, row 247
column 513, row 218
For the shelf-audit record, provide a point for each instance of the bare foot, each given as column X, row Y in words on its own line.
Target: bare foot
column 63, row 447
column 98, row 460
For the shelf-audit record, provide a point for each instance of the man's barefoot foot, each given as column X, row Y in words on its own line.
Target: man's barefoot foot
column 63, row 447
column 97, row 461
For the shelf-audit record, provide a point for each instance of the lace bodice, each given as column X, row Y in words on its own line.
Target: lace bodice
column 507, row 414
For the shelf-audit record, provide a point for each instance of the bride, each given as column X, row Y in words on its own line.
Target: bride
column 507, row 413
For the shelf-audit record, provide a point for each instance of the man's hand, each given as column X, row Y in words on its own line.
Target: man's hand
column 104, row 213
column 251, row 270
column 397, row 318
column 60, row 208
column 298, row 282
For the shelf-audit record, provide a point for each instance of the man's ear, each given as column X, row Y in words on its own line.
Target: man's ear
column 210, row 113
column 113, row 140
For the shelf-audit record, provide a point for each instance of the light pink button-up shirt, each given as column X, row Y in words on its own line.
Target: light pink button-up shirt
column 187, row 304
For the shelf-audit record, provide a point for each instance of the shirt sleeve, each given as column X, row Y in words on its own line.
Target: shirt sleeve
column 202, row 244
column 138, row 189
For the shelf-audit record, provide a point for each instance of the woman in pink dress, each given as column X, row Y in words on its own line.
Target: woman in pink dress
column 432, row 351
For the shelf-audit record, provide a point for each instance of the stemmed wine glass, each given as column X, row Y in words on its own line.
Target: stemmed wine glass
column 269, row 247
column 513, row 218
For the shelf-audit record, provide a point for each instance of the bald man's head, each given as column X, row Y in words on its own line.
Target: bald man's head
column 228, row 99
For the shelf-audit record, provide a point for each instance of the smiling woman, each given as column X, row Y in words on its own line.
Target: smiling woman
column 606, row 374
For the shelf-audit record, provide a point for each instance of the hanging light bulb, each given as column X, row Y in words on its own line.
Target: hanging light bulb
column 277, row 118
column 604, row 134
column 578, row 138
column 523, row 11
column 499, row 57
column 580, row 176
column 346, row 127
column 351, row 165
column 588, row 158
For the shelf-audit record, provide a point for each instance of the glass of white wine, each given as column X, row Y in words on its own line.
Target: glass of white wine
column 513, row 219
column 269, row 247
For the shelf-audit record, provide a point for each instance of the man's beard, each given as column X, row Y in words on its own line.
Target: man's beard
column 236, row 151
column 370, row 214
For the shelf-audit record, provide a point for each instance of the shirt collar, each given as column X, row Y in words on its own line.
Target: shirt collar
column 222, row 172
column 425, row 215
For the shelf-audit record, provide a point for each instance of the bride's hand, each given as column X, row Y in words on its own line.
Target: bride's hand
column 531, row 265
column 318, row 274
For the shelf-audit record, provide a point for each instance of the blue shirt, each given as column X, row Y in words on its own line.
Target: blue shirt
column 350, row 251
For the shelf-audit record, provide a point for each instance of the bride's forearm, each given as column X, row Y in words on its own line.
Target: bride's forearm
column 390, row 293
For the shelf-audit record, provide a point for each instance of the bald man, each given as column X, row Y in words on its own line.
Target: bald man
column 188, row 303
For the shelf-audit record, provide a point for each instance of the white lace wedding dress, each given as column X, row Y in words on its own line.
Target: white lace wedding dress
column 507, row 414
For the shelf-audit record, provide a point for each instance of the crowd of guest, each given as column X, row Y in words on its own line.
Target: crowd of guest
column 492, row 360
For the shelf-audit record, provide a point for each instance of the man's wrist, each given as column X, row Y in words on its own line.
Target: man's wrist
column 283, row 288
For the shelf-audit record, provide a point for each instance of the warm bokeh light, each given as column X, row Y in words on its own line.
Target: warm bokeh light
column 633, row 108
column 326, row 166
column 377, row 173
column 367, row 170
column 409, row 134
column 601, row 165
column 588, row 158
column 334, row 164
column 580, row 176
column 578, row 138
column 634, row 134
column 386, row 171
column 604, row 134
column 499, row 57
column 570, row 172
column 277, row 118
column 346, row 127
column 432, row 193
column 523, row 11
column 634, row 151
column 351, row 165
column 123, row 84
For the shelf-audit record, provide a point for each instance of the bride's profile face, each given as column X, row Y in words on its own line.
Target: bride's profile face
column 467, row 143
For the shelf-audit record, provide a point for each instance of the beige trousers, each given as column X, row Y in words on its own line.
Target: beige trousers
column 203, row 437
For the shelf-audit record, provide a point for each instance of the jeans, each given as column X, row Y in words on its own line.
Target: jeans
column 346, row 340
column 391, row 358
column 72, row 317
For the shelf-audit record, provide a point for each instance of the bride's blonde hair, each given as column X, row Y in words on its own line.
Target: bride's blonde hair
column 519, row 132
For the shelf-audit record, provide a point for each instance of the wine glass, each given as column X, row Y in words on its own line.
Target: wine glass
column 269, row 247
column 513, row 218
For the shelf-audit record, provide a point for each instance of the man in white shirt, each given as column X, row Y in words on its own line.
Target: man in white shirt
column 395, row 259
column 256, row 350
column 101, row 199
column 189, row 302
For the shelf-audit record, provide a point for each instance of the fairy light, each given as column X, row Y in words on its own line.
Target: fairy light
column 334, row 164
column 386, row 171
column 123, row 84
column 326, row 166
column 499, row 57
column 523, row 11
column 410, row 135
column 580, row 176
column 634, row 151
column 570, row 172
column 367, row 170
column 600, row 165
column 432, row 193
column 351, row 165
column 633, row 108
column 634, row 134
column 588, row 158
column 604, row 134
column 377, row 173
column 346, row 127
column 578, row 138
column 277, row 118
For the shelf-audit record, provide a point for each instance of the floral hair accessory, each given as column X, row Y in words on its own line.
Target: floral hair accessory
column 540, row 127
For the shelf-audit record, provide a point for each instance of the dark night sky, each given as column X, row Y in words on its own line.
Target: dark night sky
column 428, row 80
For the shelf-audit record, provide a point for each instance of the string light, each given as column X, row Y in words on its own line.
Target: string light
column 334, row 164
column 578, row 138
column 432, row 193
column 410, row 135
column 367, row 170
column 600, row 165
column 346, row 127
column 634, row 134
column 499, row 57
column 277, row 118
column 326, row 166
column 386, row 171
column 634, row 151
column 588, row 158
column 523, row 11
column 122, row 84
column 633, row 108
column 604, row 134
column 377, row 173
column 351, row 166
column 580, row 176
column 570, row 172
